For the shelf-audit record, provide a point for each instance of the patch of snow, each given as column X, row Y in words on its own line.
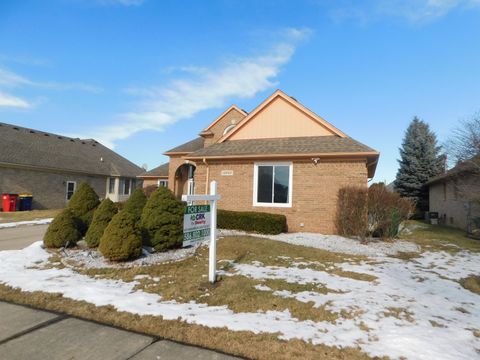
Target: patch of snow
column 262, row 287
column 29, row 222
column 335, row 243
column 418, row 289
column 417, row 286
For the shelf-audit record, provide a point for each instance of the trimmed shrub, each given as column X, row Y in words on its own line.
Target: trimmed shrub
column 62, row 232
column 101, row 218
column 386, row 210
column 162, row 220
column 149, row 190
column 351, row 217
column 259, row 222
column 135, row 204
column 375, row 211
column 121, row 239
column 82, row 204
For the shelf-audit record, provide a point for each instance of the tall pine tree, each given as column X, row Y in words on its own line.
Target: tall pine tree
column 420, row 161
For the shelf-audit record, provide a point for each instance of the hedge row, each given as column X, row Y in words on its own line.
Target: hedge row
column 258, row 222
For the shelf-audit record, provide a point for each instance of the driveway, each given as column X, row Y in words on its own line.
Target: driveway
column 27, row 333
column 20, row 237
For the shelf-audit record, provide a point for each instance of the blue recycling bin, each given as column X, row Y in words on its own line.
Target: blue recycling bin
column 25, row 202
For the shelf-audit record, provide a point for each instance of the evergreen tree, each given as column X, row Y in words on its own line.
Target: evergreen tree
column 82, row 204
column 162, row 220
column 135, row 204
column 62, row 231
column 420, row 161
column 101, row 218
column 121, row 240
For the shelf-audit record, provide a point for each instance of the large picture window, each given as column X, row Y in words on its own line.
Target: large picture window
column 272, row 184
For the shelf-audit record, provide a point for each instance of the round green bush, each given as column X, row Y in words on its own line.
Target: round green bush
column 121, row 239
column 62, row 231
column 101, row 218
column 135, row 204
column 83, row 203
column 162, row 220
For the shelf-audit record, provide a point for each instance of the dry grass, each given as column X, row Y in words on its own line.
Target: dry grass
column 185, row 280
column 471, row 283
column 440, row 238
column 15, row 216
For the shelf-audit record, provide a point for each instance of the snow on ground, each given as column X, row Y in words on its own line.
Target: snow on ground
column 436, row 317
column 335, row 243
column 29, row 222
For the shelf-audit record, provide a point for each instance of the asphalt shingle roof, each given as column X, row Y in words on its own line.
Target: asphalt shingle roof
column 278, row 146
column 471, row 166
column 30, row 147
column 190, row 146
column 161, row 170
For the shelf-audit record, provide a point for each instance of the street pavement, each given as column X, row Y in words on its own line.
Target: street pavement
column 27, row 333
column 21, row 236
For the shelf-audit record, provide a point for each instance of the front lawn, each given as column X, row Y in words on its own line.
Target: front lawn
column 273, row 300
column 15, row 216
column 439, row 237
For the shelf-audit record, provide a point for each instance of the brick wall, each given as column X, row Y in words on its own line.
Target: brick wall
column 232, row 117
column 315, row 189
column 48, row 188
column 449, row 198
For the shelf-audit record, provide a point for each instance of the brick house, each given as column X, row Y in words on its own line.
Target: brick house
column 157, row 176
column 279, row 158
column 455, row 195
column 51, row 166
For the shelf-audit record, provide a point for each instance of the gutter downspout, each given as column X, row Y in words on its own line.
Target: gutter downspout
column 207, row 180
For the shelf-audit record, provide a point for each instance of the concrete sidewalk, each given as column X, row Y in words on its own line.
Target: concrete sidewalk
column 27, row 333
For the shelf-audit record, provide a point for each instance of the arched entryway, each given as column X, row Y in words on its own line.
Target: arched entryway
column 184, row 180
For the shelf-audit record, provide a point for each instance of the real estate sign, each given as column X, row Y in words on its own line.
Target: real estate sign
column 196, row 224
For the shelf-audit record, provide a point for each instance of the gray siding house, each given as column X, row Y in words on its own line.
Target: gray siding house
column 51, row 166
column 455, row 195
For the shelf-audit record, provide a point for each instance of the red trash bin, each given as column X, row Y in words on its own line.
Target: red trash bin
column 9, row 202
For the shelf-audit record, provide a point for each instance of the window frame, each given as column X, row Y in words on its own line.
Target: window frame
column 110, row 179
column 290, row 184
column 125, row 187
column 66, row 189
column 164, row 181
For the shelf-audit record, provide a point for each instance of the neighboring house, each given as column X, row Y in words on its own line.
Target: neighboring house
column 50, row 167
column 455, row 195
column 280, row 158
column 156, row 177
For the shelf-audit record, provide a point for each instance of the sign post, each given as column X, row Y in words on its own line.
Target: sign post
column 200, row 221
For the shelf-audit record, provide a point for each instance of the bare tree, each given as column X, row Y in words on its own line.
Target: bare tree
column 464, row 144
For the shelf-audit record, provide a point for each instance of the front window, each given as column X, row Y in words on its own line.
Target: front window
column 273, row 184
column 111, row 185
column 71, row 185
column 163, row 183
column 124, row 186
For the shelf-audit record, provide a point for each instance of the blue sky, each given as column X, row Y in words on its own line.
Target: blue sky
column 145, row 76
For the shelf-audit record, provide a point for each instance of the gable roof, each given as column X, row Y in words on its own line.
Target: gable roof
column 308, row 145
column 27, row 147
column 278, row 93
column 159, row 171
column 232, row 107
column 188, row 147
column 297, row 147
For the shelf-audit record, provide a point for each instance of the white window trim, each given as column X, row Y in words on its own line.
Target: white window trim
column 165, row 181
column 114, row 186
column 66, row 189
column 255, row 183
column 228, row 128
